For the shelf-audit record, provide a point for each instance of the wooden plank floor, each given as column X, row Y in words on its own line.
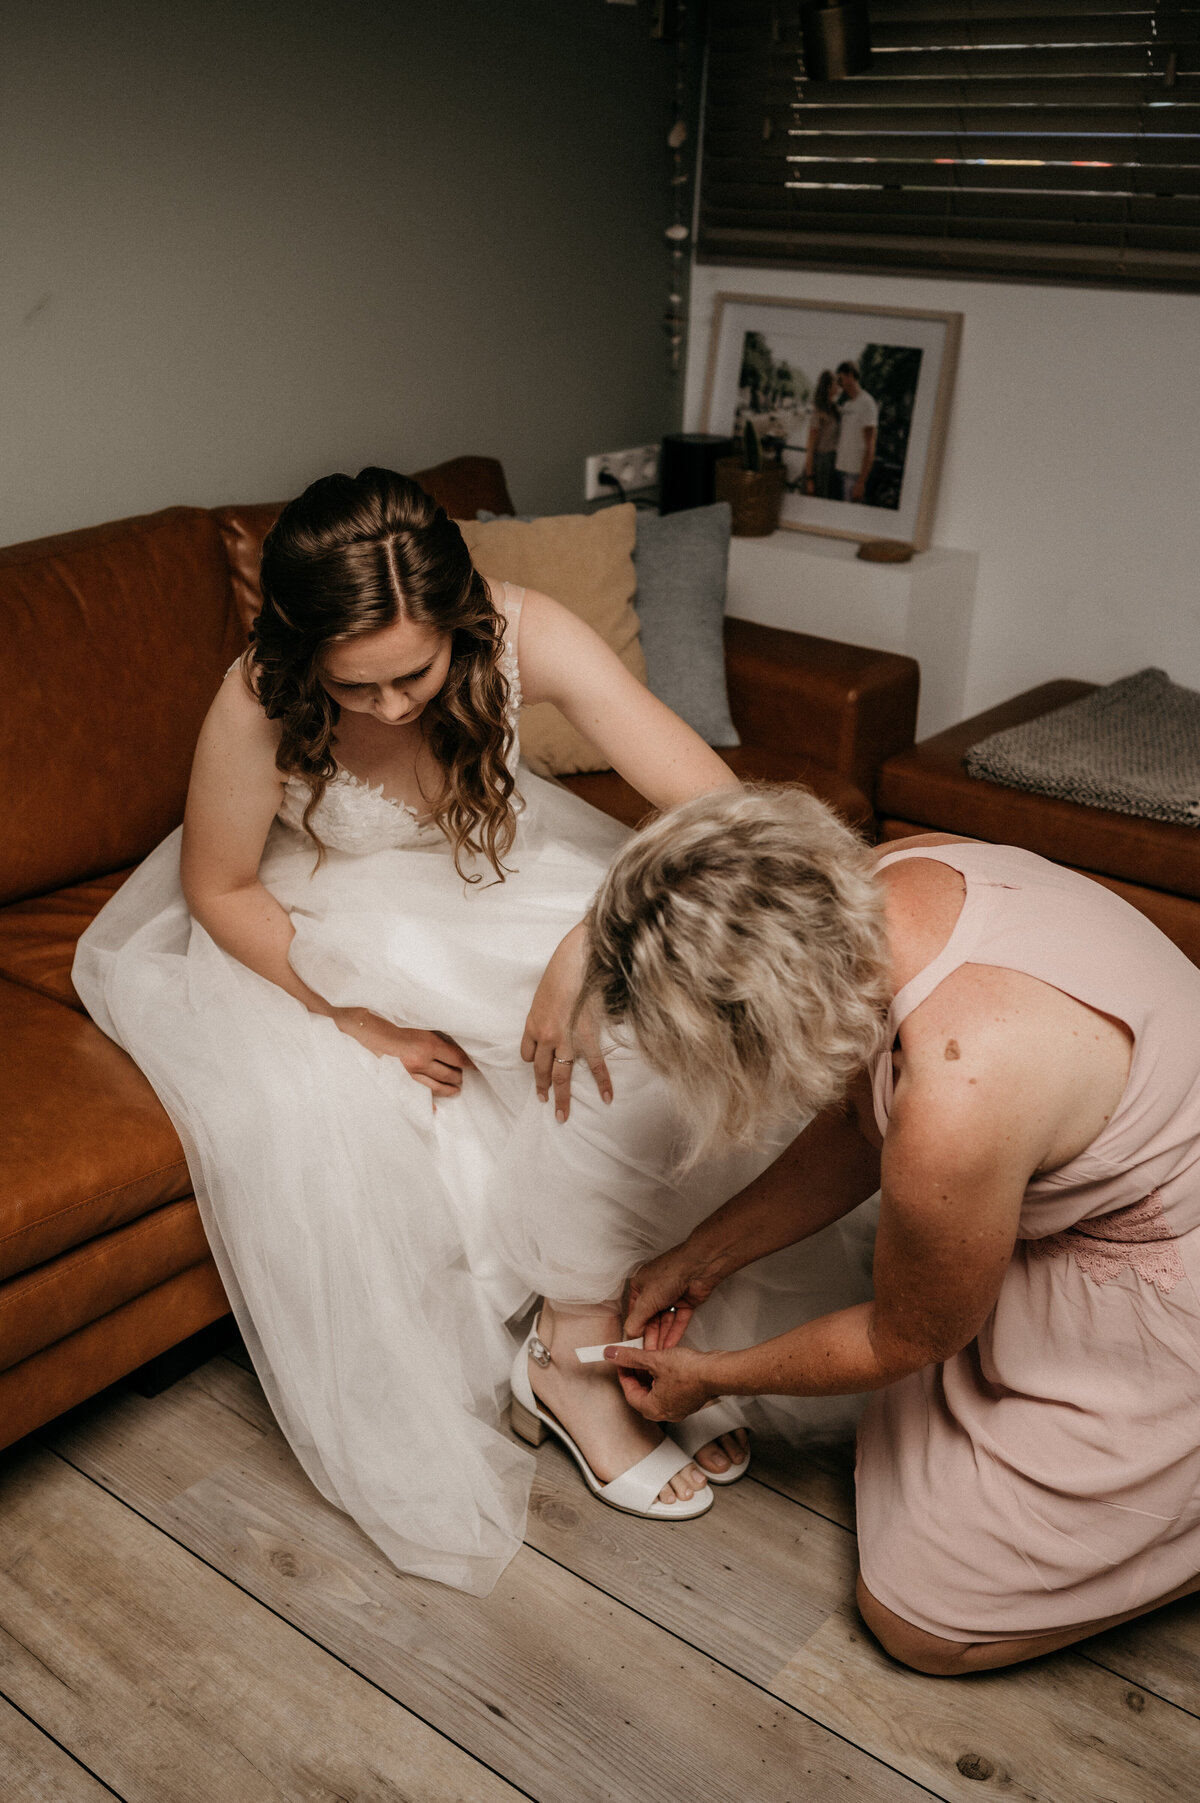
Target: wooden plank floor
column 184, row 1620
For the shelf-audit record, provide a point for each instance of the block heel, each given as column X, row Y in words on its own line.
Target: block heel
column 528, row 1426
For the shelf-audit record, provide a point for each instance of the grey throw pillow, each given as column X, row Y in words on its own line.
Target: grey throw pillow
column 681, row 561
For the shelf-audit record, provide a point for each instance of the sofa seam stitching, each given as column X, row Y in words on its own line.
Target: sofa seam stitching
column 89, row 1201
column 90, row 1251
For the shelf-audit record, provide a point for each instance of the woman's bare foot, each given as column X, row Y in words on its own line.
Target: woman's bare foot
column 724, row 1452
column 587, row 1399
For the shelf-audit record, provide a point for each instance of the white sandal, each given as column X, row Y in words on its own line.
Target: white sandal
column 709, row 1423
column 635, row 1492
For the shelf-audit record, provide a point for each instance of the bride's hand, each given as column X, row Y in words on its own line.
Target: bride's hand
column 549, row 1044
column 430, row 1058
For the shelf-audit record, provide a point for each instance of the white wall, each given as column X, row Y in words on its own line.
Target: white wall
column 246, row 242
column 1072, row 467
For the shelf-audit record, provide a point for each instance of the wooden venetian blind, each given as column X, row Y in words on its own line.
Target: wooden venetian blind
column 1014, row 137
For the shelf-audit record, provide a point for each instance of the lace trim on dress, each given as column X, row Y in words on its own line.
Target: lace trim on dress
column 1137, row 1237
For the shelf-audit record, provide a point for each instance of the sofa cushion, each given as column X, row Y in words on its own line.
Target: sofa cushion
column 115, row 640
column 243, row 530
column 610, row 793
column 38, row 937
column 64, row 1294
column 682, row 559
column 928, row 785
column 85, row 1143
column 584, row 560
column 461, row 486
column 85, row 1362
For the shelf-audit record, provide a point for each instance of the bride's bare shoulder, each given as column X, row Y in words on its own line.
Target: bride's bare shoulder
column 237, row 717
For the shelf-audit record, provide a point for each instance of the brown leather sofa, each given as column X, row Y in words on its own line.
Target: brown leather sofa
column 115, row 639
column 1155, row 866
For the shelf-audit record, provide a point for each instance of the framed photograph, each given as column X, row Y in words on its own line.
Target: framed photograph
column 854, row 401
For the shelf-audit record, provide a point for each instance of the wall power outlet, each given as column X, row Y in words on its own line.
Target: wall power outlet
column 635, row 469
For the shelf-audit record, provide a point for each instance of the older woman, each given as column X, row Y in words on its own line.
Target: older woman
column 1026, row 1092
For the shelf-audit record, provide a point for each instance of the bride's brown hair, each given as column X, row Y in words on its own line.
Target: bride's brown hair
column 351, row 555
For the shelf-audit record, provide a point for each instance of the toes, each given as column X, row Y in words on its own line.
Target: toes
column 666, row 1495
column 713, row 1457
column 688, row 1481
column 735, row 1445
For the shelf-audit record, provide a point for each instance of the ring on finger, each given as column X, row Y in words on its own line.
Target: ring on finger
column 564, row 1061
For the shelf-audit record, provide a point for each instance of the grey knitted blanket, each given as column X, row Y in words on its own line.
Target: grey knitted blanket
column 1133, row 747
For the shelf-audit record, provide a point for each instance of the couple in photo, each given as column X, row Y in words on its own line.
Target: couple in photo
column 842, row 434
column 475, row 1085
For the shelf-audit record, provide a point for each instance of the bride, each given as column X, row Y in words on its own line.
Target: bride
column 335, row 976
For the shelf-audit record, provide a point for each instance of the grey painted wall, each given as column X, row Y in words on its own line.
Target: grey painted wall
column 245, row 242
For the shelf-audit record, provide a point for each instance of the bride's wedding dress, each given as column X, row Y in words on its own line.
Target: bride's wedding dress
column 374, row 1248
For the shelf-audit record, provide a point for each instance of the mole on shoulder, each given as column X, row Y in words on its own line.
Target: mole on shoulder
column 952, row 1050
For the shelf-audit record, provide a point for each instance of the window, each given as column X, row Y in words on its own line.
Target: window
column 1054, row 138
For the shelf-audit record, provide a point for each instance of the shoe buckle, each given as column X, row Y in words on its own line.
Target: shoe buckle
column 538, row 1353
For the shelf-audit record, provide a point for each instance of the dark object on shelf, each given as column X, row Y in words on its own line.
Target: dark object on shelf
column 885, row 550
column 755, row 496
column 837, row 39
column 685, row 470
column 753, row 484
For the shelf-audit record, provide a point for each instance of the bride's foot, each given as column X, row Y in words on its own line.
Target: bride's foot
column 587, row 1400
column 722, row 1454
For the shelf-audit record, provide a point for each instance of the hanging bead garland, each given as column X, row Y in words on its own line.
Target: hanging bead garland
column 678, row 232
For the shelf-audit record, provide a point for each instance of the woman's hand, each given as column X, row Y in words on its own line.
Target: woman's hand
column 548, row 1043
column 664, row 1294
column 429, row 1057
column 663, row 1386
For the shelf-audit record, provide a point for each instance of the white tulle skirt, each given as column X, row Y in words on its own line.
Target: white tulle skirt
column 377, row 1251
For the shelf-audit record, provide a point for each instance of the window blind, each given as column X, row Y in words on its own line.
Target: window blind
column 1056, row 138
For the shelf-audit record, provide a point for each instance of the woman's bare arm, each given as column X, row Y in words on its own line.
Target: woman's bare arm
column 828, row 1170
column 979, row 1099
column 562, row 660
column 233, row 796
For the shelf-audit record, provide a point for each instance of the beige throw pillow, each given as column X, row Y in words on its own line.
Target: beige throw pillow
column 584, row 560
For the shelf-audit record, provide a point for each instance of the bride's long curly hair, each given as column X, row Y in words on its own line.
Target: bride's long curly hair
column 351, row 555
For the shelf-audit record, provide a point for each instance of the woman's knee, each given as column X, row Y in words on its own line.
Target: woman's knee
column 908, row 1644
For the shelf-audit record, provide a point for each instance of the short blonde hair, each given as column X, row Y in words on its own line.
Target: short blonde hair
column 741, row 940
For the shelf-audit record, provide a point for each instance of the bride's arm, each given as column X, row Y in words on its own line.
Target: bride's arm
column 233, row 796
column 562, row 660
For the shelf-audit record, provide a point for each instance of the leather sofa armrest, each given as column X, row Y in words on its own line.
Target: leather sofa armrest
column 845, row 706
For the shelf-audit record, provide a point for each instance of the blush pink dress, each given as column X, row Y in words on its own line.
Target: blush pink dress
column 1049, row 1473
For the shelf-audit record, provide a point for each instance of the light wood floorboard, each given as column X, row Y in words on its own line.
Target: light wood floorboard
column 34, row 1766
column 1060, row 1730
column 549, row 1680
column 726, row 1583
column 173, row 1686
column 615, row 1661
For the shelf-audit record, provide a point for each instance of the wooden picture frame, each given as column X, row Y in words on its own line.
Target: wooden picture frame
column 787, row 347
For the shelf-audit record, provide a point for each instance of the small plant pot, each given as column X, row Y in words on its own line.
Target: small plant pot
column 755, row 496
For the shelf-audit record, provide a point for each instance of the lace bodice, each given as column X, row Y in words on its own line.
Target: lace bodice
column 356, row 816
